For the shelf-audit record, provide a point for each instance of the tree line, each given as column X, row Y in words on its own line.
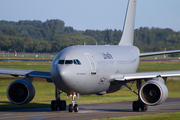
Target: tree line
column 53, row 36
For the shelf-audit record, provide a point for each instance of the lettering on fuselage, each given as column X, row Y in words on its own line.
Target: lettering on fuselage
column 106, row 55
column 81, row 73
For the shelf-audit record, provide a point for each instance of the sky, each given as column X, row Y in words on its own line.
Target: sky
column 94, row 14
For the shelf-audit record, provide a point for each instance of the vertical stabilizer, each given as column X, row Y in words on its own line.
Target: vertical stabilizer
column 128, row 30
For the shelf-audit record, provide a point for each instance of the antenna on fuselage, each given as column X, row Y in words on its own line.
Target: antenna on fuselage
column 128, row 30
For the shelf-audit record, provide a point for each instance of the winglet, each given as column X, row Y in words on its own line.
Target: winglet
column 128, row 30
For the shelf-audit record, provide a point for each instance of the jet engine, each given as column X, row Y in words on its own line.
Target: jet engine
column 20, row 92
column 153, row 92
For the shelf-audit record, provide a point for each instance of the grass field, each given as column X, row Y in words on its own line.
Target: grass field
column 163, row 116
column 45, row 91
column 26, row 57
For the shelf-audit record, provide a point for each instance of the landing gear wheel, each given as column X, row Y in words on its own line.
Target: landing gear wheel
column 53, row 105
column 144, row 107
column 139, row 104
column 70, row 108
column 135, row 106
column 76, row 108
column 62, row 105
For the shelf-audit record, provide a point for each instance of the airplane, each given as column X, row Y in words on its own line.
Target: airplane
column 96, row 69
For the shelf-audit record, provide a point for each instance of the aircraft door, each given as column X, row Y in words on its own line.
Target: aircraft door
column 92, row 64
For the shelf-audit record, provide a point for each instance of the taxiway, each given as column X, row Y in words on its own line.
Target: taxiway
column 92, row 111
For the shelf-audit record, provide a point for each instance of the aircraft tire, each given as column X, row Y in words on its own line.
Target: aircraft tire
column 62, row 105
column 144, row 107
column 53, row 105
column 76, row 108
column 70, row 108
column 135, row 106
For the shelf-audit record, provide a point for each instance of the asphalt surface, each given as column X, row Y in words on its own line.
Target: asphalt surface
column 93, row 111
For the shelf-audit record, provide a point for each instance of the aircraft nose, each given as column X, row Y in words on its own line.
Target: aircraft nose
column 63, row 72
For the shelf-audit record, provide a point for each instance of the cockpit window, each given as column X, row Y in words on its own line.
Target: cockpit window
column 79, row 63
column 75, row 61
column 61, row 62
column 68, row 62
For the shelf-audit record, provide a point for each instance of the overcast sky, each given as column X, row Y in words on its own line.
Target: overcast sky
column 94, row 14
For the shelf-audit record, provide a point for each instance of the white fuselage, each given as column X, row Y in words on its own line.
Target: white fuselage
column 87, row 69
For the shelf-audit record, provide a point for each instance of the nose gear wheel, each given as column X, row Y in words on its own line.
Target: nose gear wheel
column 73, row 106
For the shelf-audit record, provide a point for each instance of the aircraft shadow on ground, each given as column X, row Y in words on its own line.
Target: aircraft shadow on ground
column 4, row 102
column 8, row 106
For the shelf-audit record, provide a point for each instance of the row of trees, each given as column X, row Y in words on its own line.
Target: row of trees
column 53, row 36
column 27, row 44
column 35, row 29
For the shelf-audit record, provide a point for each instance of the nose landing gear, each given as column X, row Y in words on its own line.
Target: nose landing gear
column 73, row 106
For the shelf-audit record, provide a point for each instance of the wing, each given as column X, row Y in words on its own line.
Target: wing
column 158, row 53
column 143, row 75
column 29, row 73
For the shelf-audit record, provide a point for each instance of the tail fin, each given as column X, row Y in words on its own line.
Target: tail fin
column 128, row 30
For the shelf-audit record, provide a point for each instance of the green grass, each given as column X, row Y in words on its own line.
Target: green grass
column 158, row 66
column 163, row 116
column 45, row 91
column 42, row 66
column 26, row 57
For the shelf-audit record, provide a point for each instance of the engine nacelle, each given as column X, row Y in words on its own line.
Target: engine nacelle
column 153, row 92
column 20, row 92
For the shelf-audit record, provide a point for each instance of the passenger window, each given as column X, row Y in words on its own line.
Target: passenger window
column 68, row 62
column 61, row 62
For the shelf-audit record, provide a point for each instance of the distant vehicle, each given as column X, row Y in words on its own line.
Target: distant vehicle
column 96, row 69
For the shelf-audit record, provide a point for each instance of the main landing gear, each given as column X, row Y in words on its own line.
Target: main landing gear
column 58, row 104
column 138, row 105
column 73, row 106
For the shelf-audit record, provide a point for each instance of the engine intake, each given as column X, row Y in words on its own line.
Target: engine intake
column 153, row 92
column 20, row 92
